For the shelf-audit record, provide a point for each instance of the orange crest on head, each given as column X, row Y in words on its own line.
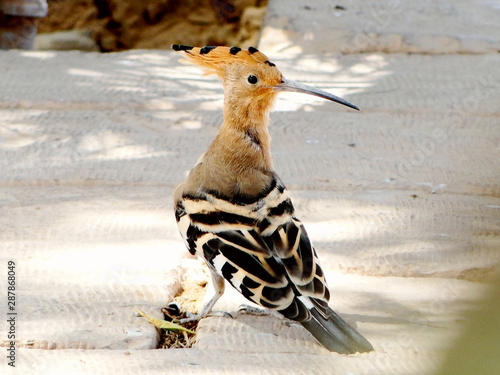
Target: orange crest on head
column 214, row 58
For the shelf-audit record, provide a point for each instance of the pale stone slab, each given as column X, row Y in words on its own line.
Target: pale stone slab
column 86, row 257
column 353, row 26
column 400, row 199
column 409, row 335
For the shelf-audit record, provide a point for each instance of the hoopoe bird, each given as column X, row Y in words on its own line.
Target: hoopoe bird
column 234, row 211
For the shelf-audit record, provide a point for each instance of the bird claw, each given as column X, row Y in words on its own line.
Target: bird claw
column 252, row 310
column 189, row 318
column 222, row 314
column 196, row 317
column 173, row 312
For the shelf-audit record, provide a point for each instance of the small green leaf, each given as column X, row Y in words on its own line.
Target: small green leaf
column 163, row 324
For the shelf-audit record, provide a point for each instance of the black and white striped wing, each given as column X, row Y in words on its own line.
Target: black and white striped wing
column 259, row 247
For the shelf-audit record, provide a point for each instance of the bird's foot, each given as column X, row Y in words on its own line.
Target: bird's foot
column 190, row 317
column 222, row 314
column 252, row 310
column 173, row 312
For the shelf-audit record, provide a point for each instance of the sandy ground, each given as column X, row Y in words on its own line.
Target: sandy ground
column 401, row 200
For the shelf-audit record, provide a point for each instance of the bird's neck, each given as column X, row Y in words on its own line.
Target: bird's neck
column 238, row 162
column 243, row 141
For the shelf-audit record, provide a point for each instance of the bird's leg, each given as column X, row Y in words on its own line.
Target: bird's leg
column 252, row 310
column 210, row 298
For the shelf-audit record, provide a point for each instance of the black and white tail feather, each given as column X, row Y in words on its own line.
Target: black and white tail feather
column 264, row 252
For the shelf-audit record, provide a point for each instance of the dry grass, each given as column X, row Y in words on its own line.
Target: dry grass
column 175, row 340
column 189, row 299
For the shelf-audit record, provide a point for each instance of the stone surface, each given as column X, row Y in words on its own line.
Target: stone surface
column 433, row 27
column 80, row 40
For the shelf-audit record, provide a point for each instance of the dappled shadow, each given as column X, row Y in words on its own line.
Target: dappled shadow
column 93, row 145
column 141, row 118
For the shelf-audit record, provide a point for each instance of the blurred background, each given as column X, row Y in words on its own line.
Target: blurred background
column 117, row 25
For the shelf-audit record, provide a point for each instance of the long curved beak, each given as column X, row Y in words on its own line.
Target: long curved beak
column 293, row 86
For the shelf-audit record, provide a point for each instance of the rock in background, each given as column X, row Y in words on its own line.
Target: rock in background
column 118, row 25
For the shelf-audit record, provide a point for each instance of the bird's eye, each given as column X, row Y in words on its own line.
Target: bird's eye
column 252, row 79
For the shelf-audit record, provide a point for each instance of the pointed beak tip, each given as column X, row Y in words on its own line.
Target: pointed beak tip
column 292, row 86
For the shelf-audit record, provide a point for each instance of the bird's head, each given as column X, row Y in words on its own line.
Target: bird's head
column 249, row 78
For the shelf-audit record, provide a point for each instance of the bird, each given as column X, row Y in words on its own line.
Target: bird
column 235, row 212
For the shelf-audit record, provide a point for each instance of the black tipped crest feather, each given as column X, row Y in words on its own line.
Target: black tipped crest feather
column 209, row 56
column 234, row 50
column 181, row 47
column 207, row 49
